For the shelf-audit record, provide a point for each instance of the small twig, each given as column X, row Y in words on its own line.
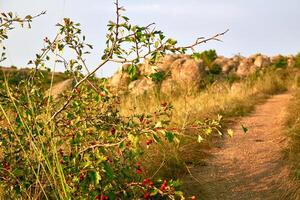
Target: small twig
column 190, row 173
column 102, row 145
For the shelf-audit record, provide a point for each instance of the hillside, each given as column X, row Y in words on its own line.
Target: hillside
column 193, row 72
column 15, row 75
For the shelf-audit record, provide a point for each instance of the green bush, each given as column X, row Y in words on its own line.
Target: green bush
column 78, row 146
column 207, row 56
column 158, row 77
column 297, row 60
column 215, row 69
column 281, row 62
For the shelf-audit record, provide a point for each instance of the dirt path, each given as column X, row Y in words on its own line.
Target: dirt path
column 60, row 87
column 249, row 166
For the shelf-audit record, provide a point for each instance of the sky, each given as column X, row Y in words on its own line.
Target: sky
column 270, row 27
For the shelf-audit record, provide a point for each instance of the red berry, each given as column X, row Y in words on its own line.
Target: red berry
column 146, row 195
column 78, row 90
column 102, row 94
column 139, row 171
column 164, row 104
column 146, row 181
column 150, row 141
column 151, row 184
column 81, row 177
column 113, row 130
column 6, row 166
column 142, row 119
column 193, row 198
column 163, row 187
column 68, row 122
column 103, row 197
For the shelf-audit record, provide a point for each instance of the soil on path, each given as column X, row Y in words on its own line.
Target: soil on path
column 248, row 166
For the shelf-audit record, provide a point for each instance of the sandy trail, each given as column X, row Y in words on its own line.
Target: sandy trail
column 58, row 88
column 249, row 166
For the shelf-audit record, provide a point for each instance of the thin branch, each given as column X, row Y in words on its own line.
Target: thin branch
column 203, row 40
column 102, row 145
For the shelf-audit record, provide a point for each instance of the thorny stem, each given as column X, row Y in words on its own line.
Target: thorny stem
column 111, row 52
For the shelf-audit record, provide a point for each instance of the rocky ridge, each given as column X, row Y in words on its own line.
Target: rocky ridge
column 186, row 72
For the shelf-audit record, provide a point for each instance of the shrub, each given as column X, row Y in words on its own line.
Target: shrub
column 281, row 62
column 297, row 60
column 78, row 146
column 133, row 72
column 215, row 69
column 158, row 77
column 208, row 56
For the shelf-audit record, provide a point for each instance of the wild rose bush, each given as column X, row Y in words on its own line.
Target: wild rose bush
column 78, row 146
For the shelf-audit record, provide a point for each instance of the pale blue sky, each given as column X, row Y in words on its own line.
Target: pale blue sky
column 266, row 26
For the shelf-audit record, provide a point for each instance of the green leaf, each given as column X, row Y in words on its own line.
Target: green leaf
column 18, row 172
column 156, row 138
column 70, row 116
column 170, row 136
column 171, row 41
column 154, row 192
column 86, row 164
column 95, row 177
column 108, row 170
column 179, row 193
column 245, row 129
column 158, row 77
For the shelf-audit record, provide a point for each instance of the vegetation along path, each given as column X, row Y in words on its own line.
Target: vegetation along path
column 250, row 165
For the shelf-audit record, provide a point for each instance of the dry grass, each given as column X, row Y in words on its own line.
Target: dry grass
column 222, row 98
column 292, row 124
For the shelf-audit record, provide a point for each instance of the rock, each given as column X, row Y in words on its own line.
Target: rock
column 291, row 62
column 187, row 72
column 163, row 65
column 253, row 69
column 125, row 67
column 237, row 58
column 254, row 56
column 168, row 86
column 141, row 86
column 275, row 59
column 119, row 80
column 244, row 67
column 262, row 61
column 229, row 66
column 221, row 61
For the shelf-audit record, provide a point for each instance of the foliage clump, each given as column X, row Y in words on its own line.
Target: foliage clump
column 297, row 60
column 281, row 62
column 78, row 146
column 158, row 77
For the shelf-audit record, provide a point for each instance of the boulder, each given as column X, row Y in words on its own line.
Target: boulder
column 291, row 62
column 262, row 61
column 187, row 72
column 229, row 66
column 221, row 61
column 119, row 80
column 275, row 59
column 168, row 86
column 141, row 86
column 163, row 65
column 244, row 67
